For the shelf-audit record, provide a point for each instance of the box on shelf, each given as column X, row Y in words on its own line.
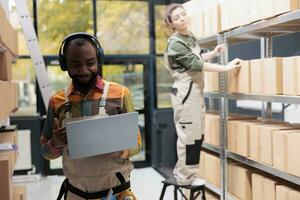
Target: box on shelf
column 211, row 132
column 291, row 75
column 272, row 72
column 11, row 138
column 211, row 81
column 263, row 188
column 201, row 171
column 5, row 183
column 8, row 98
column 211, row 169
column 280, row 149
column 261, row 147
column 197, row 17
column 5, row 66
column 238, row 134
column 19, row 192
column 239, row 181
column 240, row 82
column 212, row 129
column 286, row 193
column 8, row 35
column 284, row 6
column 257, row 78
column 212, row 20
column 293, row 161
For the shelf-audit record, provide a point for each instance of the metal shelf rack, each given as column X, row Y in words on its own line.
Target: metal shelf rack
column 252, row 97
column 262, row 30
column 257, row 165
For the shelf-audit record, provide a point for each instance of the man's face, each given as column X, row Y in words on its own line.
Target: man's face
column 82, row 63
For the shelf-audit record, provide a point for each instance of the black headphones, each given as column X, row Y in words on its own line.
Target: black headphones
column 62, row 58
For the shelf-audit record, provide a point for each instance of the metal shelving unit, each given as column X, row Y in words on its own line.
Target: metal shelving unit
column 217, row 190
column 257, row 165
column 262, row 30
column 252, row 97
column 209, row 41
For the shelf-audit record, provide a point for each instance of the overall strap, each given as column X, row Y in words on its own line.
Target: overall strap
column 102, row 102
column 68, row 105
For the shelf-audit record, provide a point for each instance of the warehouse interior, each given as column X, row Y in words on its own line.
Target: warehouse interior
column 252, row 121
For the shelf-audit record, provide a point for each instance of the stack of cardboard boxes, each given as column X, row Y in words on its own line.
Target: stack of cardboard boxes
column 269, row 76
column 9, row 46
column 272, row 143
column 9, row 102
column 232, row 13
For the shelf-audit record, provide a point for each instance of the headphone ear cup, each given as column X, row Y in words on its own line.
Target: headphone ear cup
column 62, row 62
column 100, row 56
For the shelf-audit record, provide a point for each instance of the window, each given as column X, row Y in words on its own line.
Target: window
column 123, row 27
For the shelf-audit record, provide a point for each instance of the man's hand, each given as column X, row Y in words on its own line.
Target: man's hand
column 59, row 139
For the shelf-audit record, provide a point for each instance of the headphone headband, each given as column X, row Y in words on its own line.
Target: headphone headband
column 62, row 58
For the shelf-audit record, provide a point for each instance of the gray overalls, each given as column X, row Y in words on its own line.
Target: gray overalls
column 189, row 112
column 94, row 175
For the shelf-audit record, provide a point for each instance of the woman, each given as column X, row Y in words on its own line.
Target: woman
column 184, row 60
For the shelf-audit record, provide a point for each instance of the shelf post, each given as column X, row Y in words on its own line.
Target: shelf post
column 223, row 112
column 266, row 51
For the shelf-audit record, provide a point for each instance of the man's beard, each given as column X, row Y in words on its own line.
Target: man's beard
column 84, row 87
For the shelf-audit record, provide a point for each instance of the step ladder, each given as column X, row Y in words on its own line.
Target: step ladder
column 34, row 50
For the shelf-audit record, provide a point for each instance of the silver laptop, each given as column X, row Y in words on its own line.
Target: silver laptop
column 102, row 134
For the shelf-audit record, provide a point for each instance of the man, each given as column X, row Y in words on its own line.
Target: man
column 95, row 177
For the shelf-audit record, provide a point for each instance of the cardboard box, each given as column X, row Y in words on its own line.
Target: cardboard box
column 239, row 182
column 284, row 6
column 9, row 137
column 291, row 75
column 212, row 129
column 272, row 76
column 293, row 162
column 266, row 144
column 211, row 81
column 231, row 135
column 19, row 192
column 243, row 137
column 257, row 78
column 5, row 183
column 212, row 169
column 8, row 98
column 197, row 17
column 263, row 188
column 230, row 19
column 261, row 142
column 212, row 20
column 8, row 35
column 201, row 171
column 255, row 11
column 5, row 66
column 286, row 193
column 254, row 144
column 267, row 8
column 280, row 150
column 240, row 82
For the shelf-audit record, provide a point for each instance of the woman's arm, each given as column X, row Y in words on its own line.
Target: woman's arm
column 209, row 55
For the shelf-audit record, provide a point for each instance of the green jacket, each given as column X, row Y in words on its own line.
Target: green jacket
column 179, row 53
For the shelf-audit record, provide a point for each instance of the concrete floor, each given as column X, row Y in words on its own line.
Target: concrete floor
column 145, row 183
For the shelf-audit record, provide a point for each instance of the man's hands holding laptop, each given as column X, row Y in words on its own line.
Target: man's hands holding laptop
column 59, row 139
